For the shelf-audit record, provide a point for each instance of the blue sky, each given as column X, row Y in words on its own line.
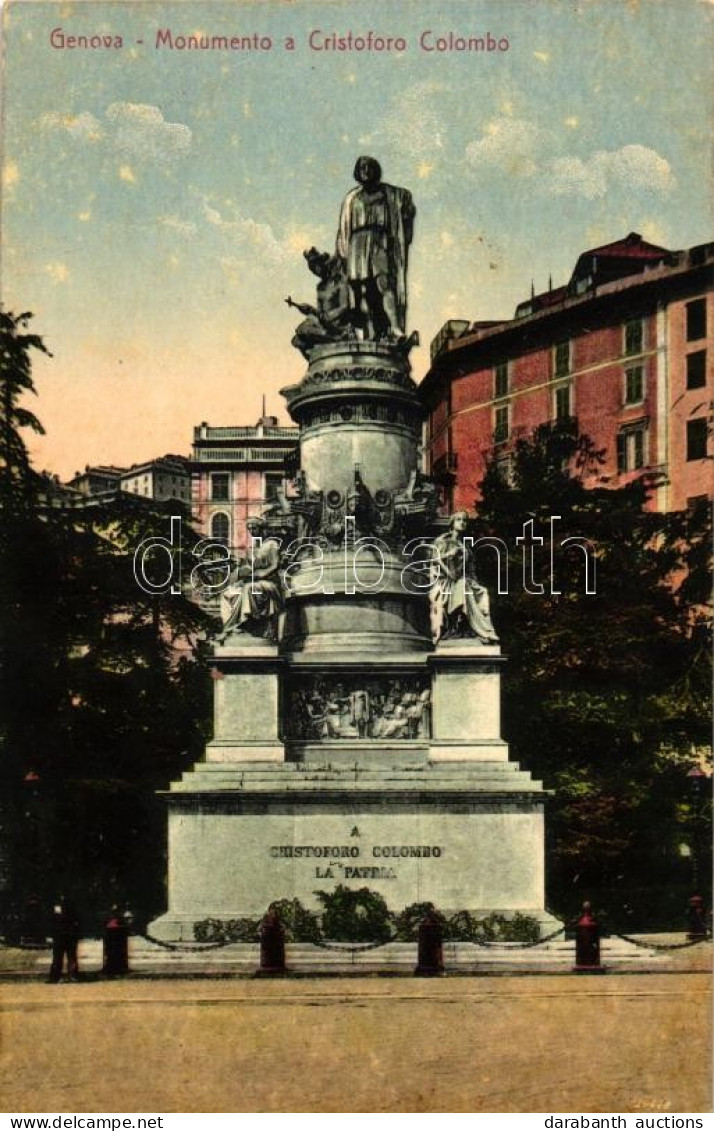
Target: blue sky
column 156, row 202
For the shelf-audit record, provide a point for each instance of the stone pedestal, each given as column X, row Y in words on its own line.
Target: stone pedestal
column 436, row 812
column 466, row 696
column 462, row 838
column 355, row 752
column 246, row 703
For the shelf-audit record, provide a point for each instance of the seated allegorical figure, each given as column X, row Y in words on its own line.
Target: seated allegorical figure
column 330, row 319
column 460, row 607
column 254, row 597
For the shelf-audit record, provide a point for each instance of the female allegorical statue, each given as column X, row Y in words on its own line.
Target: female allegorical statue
column 460, row 607
column 254, row 597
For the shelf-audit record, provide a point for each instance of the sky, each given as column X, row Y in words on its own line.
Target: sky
column 156, row 202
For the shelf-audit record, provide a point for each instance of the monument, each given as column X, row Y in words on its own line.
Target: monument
column 357, row 735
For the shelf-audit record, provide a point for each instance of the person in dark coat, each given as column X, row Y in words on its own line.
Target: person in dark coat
column 65, row 940
column 116, row 936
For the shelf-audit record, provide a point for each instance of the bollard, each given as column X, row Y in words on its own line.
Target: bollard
column 272, row 946
column 116, row 946
column 430, row 961
column 696, row 917
column 587, row 944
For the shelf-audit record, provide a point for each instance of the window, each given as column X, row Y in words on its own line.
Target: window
column 220, row 528
column 561, row 359
column 694, row 502
column 631, row 449
column 273, row 484
column 219, row 487
column 634, row 385
column 562, row 402
column 634, row 336
column 697, row 438
column 696, row 320
column 696, row 369
column 500, row 379
column 500, row 431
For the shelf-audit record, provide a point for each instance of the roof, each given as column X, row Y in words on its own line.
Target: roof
column 624, row 268
column 632, row 246
column 175, row 464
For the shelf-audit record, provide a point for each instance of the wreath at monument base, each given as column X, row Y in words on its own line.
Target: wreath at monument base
column 361, row 915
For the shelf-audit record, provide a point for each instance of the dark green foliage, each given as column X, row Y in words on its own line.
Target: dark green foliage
column 520, row 928
column 362, row 916
column 353, row 915
column 406, row 923
column 464, row 926
column 300, row 925
column 227, row 931
column 105, row 689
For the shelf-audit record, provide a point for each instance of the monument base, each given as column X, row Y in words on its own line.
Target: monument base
column 463, row 836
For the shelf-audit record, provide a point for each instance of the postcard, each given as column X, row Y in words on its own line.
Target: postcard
column 357, row 364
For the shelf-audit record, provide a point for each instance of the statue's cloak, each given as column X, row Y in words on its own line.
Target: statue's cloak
column 400, row 209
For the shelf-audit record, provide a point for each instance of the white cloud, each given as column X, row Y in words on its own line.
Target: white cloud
column 519, row 147
column 176, row 224
column 633, row 167
column 82, row 127
column 134, row 129
column 512, row 145
column 142, row 132
column 249, row 233
column 414, row 127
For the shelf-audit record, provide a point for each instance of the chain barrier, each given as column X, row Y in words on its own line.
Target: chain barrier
column 359, row 948
column 662, row 946
column 189, row 948
column 513, row 945
column 25, row 945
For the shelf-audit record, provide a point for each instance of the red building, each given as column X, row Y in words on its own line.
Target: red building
column 624, row 349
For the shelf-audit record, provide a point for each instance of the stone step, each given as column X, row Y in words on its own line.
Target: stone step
column 481, row 774
column 471, row 784
column 377, row 776
column 558, row 955
column 309, row 770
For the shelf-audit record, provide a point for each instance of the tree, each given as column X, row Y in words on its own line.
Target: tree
column 17, row 479
column 105, row 687
column 605, row 694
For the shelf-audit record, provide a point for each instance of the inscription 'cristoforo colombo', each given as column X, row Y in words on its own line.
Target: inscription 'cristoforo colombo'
column 352, row 851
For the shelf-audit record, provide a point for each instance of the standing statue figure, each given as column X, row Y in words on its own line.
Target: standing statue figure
column 460, row 607
column 376, row 225
column 253, row 599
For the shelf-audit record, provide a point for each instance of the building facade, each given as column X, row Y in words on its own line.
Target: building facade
column 97, row 480
column 168, row 477
column 236, row 472
column 624, row 351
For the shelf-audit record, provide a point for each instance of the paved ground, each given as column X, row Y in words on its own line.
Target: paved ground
column 629, row 1042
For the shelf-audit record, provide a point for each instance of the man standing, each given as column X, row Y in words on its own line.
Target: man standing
column 376, row 226
column 65, row 940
